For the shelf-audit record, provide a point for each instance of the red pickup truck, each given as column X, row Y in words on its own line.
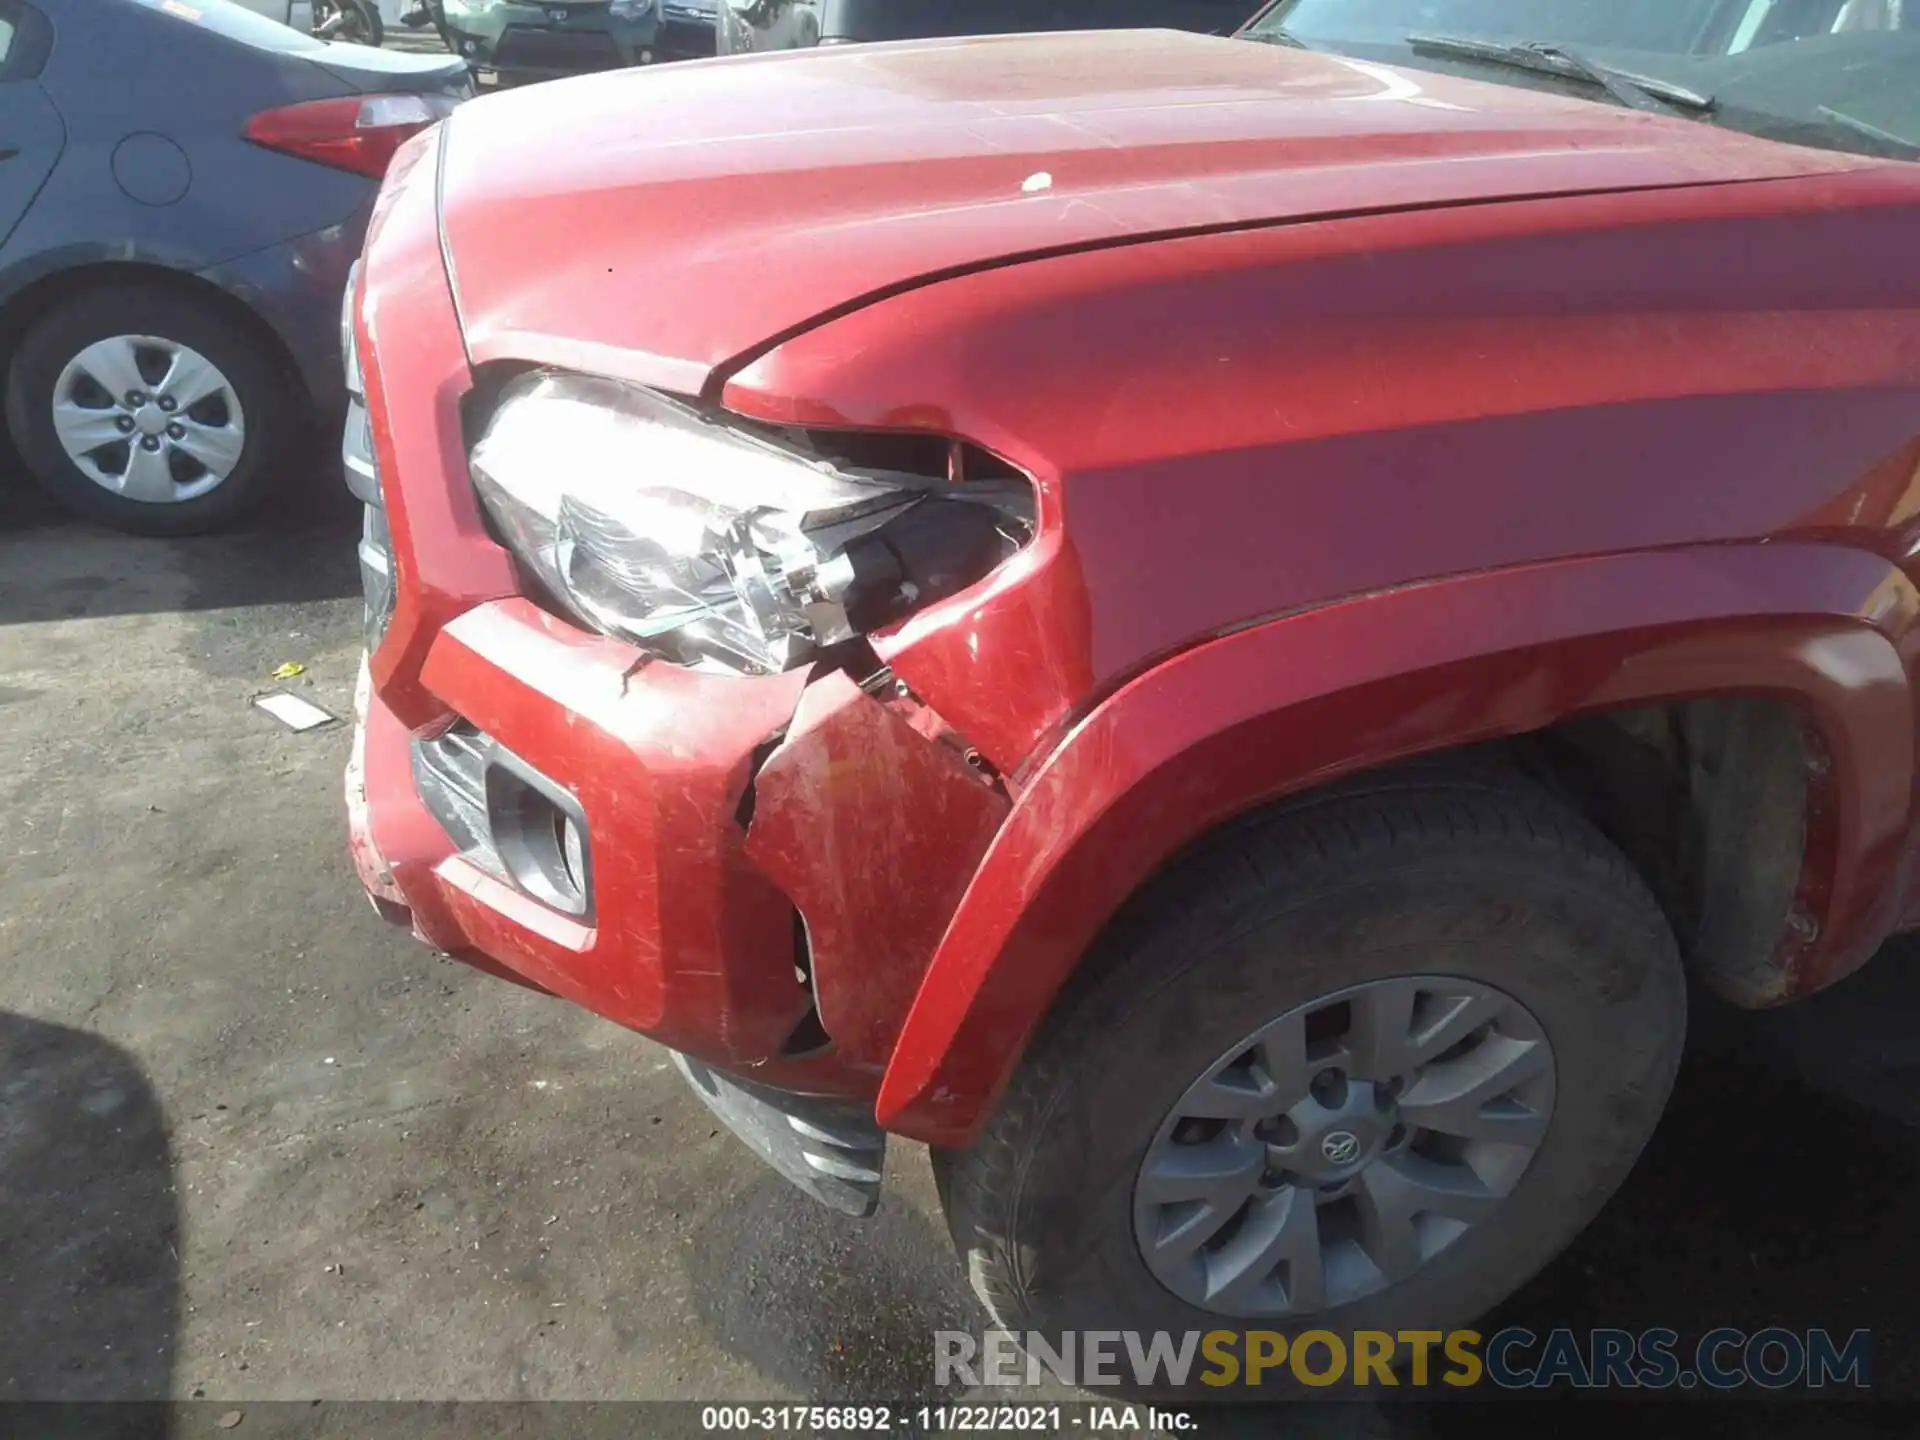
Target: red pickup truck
column 1212, row 627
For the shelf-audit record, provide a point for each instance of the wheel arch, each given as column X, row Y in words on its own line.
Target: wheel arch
column 23, row 306
column 1805, row 641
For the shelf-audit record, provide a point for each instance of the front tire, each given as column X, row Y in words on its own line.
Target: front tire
column 150, row 410
column 1484, row 1009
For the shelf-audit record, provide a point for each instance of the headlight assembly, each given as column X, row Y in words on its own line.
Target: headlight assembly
column 712, row 547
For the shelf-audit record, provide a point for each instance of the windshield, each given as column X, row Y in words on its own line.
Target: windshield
column 1843, row 74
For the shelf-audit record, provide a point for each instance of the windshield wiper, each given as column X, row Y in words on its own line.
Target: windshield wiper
column 1855, row 125
column 1276, row 35
column 1542, row 58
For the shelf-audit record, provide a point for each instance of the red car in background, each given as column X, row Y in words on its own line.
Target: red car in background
column 1209, row 626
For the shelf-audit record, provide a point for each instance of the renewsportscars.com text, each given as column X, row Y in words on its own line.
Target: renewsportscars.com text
column 1773, row 1358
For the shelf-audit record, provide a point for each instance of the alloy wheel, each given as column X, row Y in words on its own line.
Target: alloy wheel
column 148, row 419
column 1339, row 1148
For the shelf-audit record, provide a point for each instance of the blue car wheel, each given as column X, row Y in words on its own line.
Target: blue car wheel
column 150, row 410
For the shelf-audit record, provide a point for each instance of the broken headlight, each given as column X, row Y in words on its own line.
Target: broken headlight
column 712, row 546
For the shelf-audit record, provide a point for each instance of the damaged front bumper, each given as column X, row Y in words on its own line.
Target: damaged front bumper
column 752, row 871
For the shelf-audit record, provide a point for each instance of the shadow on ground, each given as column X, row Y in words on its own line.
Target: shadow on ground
column 827, row 1306
column 1779, row 1189
column 297, row 547
column 89, row 1239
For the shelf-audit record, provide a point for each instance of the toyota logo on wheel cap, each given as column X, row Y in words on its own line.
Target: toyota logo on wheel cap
column 1342, row 1147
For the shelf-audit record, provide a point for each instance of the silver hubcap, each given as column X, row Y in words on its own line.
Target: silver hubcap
column 148, row 419
column 1336, row 1150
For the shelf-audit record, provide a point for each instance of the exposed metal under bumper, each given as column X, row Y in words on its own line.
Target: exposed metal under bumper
column 833, row 1151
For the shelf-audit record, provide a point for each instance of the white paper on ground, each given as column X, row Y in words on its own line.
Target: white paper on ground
column 293, row 712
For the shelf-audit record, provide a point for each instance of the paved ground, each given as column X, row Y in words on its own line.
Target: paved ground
column 424, row 41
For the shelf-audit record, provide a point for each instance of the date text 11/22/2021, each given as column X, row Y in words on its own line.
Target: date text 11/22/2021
column 944, row 1419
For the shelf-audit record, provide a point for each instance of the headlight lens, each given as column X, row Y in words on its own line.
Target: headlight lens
column 715, row 548
column 630, row 9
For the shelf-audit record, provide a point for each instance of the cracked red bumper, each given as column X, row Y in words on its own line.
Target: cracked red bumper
column 708, row 848
column 690, row 942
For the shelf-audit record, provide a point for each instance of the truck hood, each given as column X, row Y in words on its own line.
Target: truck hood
column 657, row 224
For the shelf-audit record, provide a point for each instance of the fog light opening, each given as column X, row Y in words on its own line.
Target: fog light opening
column 539, row 833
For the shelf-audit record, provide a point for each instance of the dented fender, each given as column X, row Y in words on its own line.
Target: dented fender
column 1277, row 708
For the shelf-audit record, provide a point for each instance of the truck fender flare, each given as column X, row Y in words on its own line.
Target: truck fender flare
column 1275, row 708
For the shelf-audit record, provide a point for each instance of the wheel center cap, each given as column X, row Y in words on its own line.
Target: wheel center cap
column 1340, row 1147
column 1337, row 1152
column 1335, row 1141
column 150, row 419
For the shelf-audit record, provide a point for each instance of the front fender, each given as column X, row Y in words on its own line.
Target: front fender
column 1291, row 703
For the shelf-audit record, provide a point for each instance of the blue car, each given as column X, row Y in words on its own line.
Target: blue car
column 183, row 188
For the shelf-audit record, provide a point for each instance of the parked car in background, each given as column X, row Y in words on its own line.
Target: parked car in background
column 183, row 186
column 516, row 41
column 1211, row 627
column 756, row 26
column 355, row 22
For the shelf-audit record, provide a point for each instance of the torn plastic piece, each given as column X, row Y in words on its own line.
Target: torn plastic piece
column 874, row 830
